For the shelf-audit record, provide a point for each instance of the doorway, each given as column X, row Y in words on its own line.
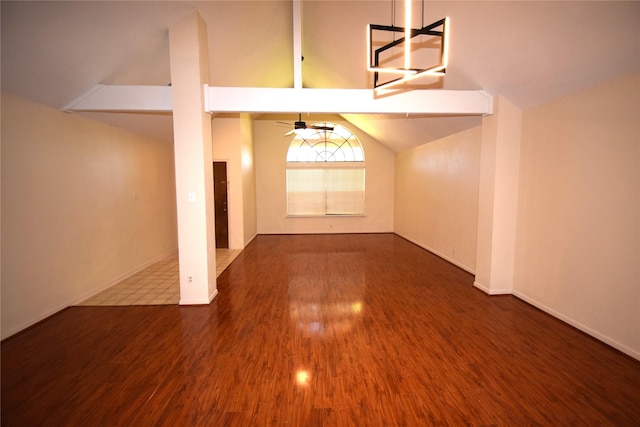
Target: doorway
column 220, row 204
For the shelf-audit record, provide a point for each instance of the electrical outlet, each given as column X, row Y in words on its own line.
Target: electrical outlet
column 190, row 279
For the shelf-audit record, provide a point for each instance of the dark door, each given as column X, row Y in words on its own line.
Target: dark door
column 220, row 204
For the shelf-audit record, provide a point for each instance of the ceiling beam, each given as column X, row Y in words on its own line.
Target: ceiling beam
column 354, row 101
column 124, row 99
column 289, row 100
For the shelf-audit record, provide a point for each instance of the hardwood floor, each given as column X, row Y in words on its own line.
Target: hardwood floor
column 321, row 330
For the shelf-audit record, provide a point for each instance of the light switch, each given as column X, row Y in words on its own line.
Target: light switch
column 191, row 197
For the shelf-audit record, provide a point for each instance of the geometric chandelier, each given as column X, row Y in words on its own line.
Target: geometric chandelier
column 407, row 56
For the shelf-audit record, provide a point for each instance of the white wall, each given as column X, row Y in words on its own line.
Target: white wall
column 578, row 229
column 270, row 156
column 71, row 223
column 436, row 196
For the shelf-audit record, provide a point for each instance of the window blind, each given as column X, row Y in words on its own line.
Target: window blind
column 333, row 191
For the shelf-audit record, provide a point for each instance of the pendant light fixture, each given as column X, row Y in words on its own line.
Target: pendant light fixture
column 381, row 59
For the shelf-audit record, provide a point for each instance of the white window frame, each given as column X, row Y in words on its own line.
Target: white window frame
column 321, row 200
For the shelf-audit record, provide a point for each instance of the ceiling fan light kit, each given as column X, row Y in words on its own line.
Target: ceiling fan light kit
column 406, row 43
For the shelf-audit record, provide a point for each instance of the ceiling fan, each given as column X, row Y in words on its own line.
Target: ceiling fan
column 302, row 125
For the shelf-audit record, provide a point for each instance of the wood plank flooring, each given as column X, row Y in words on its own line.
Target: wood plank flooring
column 320, row 330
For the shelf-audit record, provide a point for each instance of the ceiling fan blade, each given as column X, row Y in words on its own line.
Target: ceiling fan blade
column 317, row 127
column 298, row 125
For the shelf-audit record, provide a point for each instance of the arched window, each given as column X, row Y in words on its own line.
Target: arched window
column 325, row 172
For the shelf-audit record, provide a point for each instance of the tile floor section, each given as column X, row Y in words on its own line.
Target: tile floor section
column 157, row 284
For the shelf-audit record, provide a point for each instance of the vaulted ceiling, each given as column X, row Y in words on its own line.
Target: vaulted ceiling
column 525, row 51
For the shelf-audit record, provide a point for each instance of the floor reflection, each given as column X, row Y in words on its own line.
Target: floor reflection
column 326, row 291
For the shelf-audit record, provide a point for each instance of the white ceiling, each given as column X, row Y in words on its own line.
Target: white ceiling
column 529, row 52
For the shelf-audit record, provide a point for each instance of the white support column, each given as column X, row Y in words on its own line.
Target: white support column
column 297, row 44
column 498, row 199
column 193, row 160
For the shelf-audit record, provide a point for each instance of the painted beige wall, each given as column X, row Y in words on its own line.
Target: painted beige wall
column 270, row 156
column 70, row 223
column 436, row 196
column 247, row 155
column 578, row 229
column 498, row 198
column 486, row 201
column 232, row 143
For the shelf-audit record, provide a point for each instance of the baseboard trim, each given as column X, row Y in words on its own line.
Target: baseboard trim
column 613, row 343
column 124, row 276
column 249, row 241
column 26, row 325
column 482, row 287
column 48, row 313
column 437, row 253
column 204, row 301
column 489, row 291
